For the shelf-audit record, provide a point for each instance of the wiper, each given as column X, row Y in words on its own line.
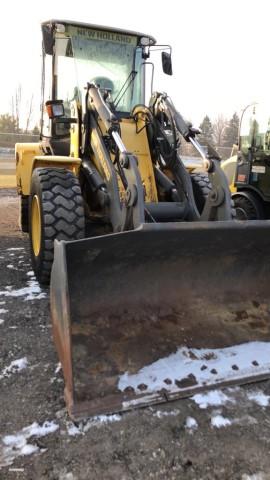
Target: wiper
column 130, row 79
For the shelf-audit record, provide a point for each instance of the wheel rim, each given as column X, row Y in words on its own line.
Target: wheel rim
column 36, row 225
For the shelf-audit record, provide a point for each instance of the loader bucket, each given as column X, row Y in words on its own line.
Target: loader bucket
column 161, row 312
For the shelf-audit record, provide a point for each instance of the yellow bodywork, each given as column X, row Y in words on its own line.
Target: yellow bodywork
column 36, row 225
column 135, row 139
column 229, row 168
column 137, row 143
column 29, row 156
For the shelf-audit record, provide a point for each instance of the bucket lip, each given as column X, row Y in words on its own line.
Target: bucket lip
column 244, row 226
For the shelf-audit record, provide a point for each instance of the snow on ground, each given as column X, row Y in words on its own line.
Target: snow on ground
column 255, row 476
column 14, row 367
column 3, row 310
column 219, row 421
column 191, row 423
column 97, row 421
column 16, row 445
column 191, row 368
column 165, row 413
column 13, row 249
column 212, row 398
column 1, row 321
column 31, row 292
column 259, row 397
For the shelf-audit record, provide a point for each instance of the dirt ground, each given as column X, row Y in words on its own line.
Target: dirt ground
column 222, row 435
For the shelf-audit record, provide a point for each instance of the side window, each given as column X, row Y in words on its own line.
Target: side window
column 66, row 80
column 47, row 94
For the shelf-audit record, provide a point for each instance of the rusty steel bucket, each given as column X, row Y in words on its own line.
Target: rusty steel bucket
column 161, row 312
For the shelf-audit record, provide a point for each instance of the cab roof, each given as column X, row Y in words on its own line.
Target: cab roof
column 50, row 24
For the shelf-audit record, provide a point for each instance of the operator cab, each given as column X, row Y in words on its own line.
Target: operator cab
column 76, row 55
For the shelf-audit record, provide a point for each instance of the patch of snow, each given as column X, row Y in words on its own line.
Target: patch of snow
column 211, row 398
column 97, row 421
column 11, row 254
column 11, row 267
column 16, row 445
column 1, row 321
column 3, row 302
column 3, row 310
column 58, row 368
column 192, row 368
column 14, row 249
column 31, row 292
column 165, row 413
column 219, row 421
column 30, row 273
column 73, row 430
column 255, row 476
column 259, row 397
column 191, row 423
column 28, row 449
column 40, row 430
column 14, row 367
column 101, row 420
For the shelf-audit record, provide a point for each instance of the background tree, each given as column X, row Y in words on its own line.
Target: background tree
column 29, row 113
column 206, row 128
column 231, row 131
column 8, row 123
column 36, row 130
column 219, row 127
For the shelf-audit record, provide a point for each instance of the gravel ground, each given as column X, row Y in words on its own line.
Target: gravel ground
column 222, row 435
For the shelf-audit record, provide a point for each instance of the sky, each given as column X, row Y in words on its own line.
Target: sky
column 220, row 48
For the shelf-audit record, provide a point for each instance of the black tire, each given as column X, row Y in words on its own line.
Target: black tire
column 247, row 207
column 201, row 188
column 55, row 212
column 24, row 213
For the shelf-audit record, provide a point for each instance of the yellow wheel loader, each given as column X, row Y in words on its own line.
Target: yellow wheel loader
column 155, row 290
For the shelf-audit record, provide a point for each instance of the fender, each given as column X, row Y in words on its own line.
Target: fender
column 29, row 156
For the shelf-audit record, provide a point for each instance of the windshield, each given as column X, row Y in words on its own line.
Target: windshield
column 106, row 58
column 255, row 128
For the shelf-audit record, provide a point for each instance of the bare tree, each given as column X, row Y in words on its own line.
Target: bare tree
column 29, row 113
column 18, row 101
column 219, row 127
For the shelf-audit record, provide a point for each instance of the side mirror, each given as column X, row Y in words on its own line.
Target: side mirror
column 166, row 63
column 55, row 108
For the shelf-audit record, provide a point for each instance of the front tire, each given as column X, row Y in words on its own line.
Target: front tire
column 56, row 212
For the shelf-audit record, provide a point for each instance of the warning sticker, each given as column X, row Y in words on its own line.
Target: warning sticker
column 258, row 169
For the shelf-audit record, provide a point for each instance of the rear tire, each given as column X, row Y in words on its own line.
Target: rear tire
column 55, row 212
column 24, row 214
column 247, row 207
column 201, row 188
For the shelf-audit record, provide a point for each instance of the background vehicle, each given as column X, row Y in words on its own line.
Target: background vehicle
column 144, row 252
column 248, row 171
